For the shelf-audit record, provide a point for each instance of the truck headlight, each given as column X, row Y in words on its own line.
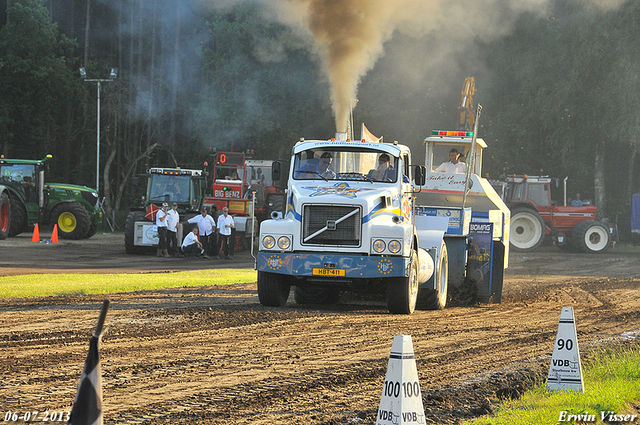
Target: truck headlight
column 268, row 242
column 284, row 242
column 379, row 245
column 395, row 246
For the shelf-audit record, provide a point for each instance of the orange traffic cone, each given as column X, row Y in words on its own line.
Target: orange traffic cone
column 54, row 235
column 36, row 234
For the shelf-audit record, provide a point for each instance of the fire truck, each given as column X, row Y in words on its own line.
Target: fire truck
column 236, row 181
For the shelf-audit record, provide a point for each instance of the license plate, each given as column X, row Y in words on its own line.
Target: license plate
column 329, row 272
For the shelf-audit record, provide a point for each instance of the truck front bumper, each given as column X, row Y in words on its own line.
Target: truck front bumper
column 336, row 266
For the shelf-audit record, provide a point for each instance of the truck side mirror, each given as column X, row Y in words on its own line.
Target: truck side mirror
column 276, row 170
column 135, row 181
column 420, row 175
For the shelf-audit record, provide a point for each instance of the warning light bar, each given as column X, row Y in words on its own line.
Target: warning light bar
column 452, row 133
column 175, row 172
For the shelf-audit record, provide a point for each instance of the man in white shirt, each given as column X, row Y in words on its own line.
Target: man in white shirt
column 173, row 219
column 191, row 245
column 225, row 224
column 206, row 226
column 453, row 165
column 161, row 224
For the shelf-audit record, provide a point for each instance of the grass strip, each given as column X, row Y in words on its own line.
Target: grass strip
column 46, row 285
column 611, row 377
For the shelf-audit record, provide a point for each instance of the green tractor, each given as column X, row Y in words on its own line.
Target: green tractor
column 185, row 187
column 25, row 200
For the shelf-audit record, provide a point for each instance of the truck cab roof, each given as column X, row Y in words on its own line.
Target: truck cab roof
column 394, row 149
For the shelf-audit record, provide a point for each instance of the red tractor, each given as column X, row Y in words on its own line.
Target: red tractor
column 534, row 215
column 235, row 182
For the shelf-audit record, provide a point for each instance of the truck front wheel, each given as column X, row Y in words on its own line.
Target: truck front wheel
column 402, row 292
column 272, row 289
column 527, row 229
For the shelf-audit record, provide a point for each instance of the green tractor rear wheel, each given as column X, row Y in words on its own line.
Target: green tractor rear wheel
column 18, row 222
column 5, row 216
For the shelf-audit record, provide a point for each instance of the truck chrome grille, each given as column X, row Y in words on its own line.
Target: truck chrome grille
column 331, row 225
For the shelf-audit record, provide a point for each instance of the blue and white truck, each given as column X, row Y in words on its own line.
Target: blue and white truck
column 352, row 223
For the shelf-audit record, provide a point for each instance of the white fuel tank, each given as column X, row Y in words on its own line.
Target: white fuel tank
column 425, row 268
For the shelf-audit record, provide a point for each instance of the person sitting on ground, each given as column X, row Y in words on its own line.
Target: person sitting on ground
column 384, row 172
column 207, row 227
column 191, row 246
column 453, row 165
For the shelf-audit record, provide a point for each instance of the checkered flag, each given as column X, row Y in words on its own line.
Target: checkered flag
column 87, row 408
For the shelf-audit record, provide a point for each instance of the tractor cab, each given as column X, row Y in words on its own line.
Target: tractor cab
column 26, row 177
column 440, row 143
column 535, row 189
column 177, row 185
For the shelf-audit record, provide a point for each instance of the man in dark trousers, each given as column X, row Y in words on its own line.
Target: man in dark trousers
column 161, row 224
column 225, row 225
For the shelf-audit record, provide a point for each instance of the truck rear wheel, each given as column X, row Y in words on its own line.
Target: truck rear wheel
column 130, row 230
column 273, row 291
column 5, row 216
column 527, row 229
column 590, row 236
column 436, row 299
column 18, row 223
column 303, row 295
column 402, row 292
column 72, row 219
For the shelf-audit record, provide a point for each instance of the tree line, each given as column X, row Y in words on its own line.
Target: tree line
column 558, row 91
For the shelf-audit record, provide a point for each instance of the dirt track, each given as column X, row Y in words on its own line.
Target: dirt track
column 213, row 355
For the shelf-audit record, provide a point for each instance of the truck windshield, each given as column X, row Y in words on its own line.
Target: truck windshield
column 345, row 164
column 169, row 188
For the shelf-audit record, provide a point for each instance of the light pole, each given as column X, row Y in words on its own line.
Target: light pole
column 112, row 76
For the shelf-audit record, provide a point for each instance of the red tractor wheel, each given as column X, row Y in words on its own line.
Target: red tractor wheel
column 590, row 236
column 527, row 229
